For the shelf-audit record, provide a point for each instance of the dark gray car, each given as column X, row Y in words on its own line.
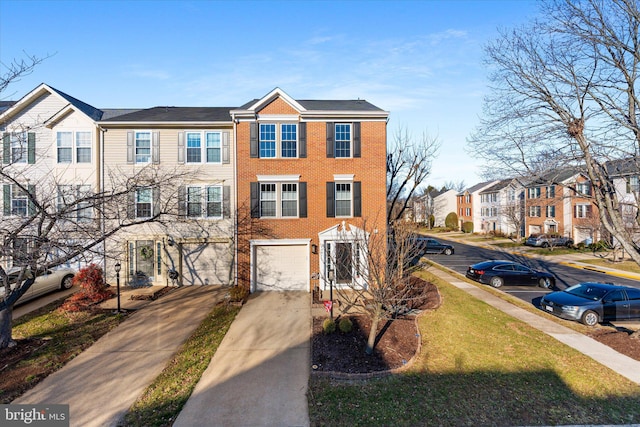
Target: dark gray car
column 591, row 303
column 428, row 245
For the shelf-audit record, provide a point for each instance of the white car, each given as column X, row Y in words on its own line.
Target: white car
column 49, row 281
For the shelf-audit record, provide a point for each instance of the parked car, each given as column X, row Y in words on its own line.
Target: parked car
column 592, row 303
column 432, row 246
column 547, row 240
column 48, row 281
column 501, row 272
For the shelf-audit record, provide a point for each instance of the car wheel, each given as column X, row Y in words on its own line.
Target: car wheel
column 496, row 282
column 590, row 318
column 545, row 282
column 448, row 251
column 67, row 282
column 545, row 245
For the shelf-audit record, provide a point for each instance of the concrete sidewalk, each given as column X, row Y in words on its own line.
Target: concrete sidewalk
column 102, row 382
column 260, row 373
column 623, row 365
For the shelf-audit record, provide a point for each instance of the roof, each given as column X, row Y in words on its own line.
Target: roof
column 623, row 167
column 477, row 187
column 328, row 105
column 497, row 186
column 174, row 114
column 108, row 113
column 93, row 112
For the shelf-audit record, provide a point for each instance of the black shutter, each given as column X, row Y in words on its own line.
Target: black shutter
column 330, row 139
column 302, row 189
column 302, row 139
column 357, row 199
column 255, row 200
column 331, row 200
column 131, row 206
column 356, row 139
column 31, row 148
column 253, row 140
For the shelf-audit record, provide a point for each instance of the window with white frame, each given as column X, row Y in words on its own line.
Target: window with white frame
column 551, row 191
column 582, row 211
column 75, row 201
column 65, row 141
column 533, row 192
column 268, row 200
column 19, row 201
column 583, row 188
column 204, row 201
column 144, row 202
column 19, row 146
column 467, row 211
column 633, row 184
column 278, row 140
column 289, row 199
column 143, row 146
column 534, row 211
column 343, row 140
column 467, row 198
column 550, row 212
column 203, row 147
column 343, row 199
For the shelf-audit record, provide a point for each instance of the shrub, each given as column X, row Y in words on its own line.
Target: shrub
column 329, row 326
column 467, row 227
column 238, row 293
column 345, row 325
column 451, row 221
column 93, row 289
column 432, row 221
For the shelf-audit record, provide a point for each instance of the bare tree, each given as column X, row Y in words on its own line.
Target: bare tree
column 384, row 264
column 49, row 223
column 18, row 68
column 564, row 93
column 459, row 186
column 408, row 165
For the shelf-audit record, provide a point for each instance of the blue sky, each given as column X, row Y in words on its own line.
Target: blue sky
column 419, row 60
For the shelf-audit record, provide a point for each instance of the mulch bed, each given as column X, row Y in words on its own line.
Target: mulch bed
column 619, row 340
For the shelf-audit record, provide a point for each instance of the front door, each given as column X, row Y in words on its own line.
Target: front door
column 344, row 263
column 141, row 262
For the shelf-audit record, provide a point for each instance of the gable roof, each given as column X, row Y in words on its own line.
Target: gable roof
column 477, row 187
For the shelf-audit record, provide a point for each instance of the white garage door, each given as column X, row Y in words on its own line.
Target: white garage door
column 206, row 264
column 281, row 268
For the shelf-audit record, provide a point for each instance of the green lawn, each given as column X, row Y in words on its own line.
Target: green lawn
column 478, row 366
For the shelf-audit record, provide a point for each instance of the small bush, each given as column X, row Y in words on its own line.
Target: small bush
column 467, row 227
column 345, row 325
column 451, row 221
column 238, row 293
column 93, row 289
column 329, row 326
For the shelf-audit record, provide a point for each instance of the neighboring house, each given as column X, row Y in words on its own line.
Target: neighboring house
column 312, row 183
column 561, row 203
column 502, row 208
column 468, row 205
column 52, row 140
column 438, row 203
column 196, row 146
column 626, row 179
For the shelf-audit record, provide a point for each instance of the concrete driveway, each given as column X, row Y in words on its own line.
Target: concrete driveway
column 259, row 374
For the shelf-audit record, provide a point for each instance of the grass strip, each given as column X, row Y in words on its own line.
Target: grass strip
column 60, row 337
column 479, row 366
column 163, row 400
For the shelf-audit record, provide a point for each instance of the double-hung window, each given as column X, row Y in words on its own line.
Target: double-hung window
column 276, row 140
column 551, row 211
column 203, row 146
column 534, row 192
column 582, row 211
column 284, row 197
column 143, row 146
column 583, row 188
column 343, row 140
column 64, row 142
column 343, row 199
column 534, row 211
column 74, row 200
column 19, row 201
column 65, row 146
column 144, row 202
column 551, row 191
column 204, row 201
column 633, row 184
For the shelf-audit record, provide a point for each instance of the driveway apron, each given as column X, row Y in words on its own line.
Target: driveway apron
column 104, row 381
column 259, row 374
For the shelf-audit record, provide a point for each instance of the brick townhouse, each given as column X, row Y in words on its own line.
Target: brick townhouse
column 311, row 180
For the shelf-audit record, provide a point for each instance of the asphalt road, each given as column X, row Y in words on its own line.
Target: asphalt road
column 466, row 255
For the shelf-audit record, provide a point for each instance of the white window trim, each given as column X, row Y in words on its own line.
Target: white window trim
column 150, row 189
column 278, row 180
column 203, row 201
column 273, row 120
column 340, row 182
column 203, row 146
column 335, row 140
column 135, row 146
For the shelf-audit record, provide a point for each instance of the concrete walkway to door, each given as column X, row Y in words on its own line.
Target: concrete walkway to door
column 259, row 374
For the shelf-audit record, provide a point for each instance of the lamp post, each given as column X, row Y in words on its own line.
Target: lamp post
column 331, row 277
column 117, row 267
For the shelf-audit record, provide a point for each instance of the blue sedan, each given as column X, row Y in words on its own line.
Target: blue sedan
column 591, row 303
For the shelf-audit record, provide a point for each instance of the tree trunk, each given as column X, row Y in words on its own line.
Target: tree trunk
column 5, row 328
column 373, row 332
